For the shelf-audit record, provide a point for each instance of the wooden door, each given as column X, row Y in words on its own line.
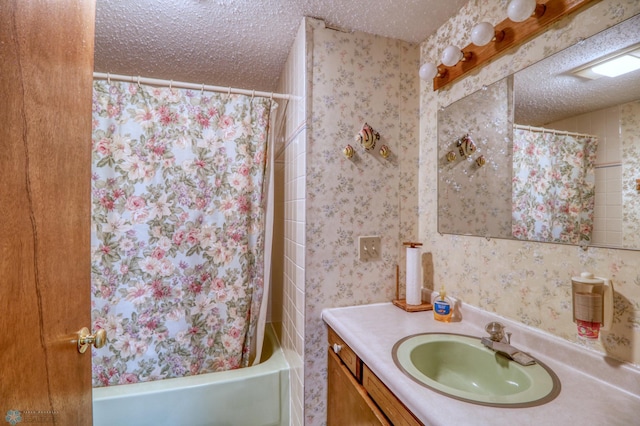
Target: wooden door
column 46, row 66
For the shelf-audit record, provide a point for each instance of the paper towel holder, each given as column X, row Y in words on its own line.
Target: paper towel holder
column 402, row 303
column 592, row 301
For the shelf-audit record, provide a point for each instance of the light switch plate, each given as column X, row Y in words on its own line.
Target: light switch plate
column 369, row 248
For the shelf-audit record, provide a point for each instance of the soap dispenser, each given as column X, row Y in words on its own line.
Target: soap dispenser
column 592, row 299
column 442, row 307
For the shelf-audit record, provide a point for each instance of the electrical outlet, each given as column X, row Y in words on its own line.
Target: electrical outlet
column 369, row 248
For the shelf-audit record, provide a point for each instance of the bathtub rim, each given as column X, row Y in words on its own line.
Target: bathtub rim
column 275, row 362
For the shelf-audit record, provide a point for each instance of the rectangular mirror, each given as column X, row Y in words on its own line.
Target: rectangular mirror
column 561, row 151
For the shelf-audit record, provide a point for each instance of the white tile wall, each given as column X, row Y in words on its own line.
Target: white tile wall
column 288, row 294
column 605, row 124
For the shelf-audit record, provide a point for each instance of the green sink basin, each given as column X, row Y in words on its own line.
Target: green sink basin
column 461, row 367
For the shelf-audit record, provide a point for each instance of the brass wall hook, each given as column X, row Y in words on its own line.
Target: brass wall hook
column 348, row 152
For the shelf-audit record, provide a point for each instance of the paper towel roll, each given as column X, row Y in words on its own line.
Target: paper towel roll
column 414, row 279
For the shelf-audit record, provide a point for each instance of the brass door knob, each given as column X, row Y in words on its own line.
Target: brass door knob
column 98, row 340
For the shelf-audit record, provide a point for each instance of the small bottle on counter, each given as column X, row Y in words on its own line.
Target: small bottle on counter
column 442, row 307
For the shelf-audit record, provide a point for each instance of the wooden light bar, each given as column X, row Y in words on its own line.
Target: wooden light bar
column 515, row 34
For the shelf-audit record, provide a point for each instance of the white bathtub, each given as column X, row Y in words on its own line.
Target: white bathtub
column 257, row 395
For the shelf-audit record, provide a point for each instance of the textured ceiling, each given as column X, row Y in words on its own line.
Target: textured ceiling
column 240, row 43
column 547, row 91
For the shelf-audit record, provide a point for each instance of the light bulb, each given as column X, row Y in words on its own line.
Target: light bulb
column 451, row 56
column 428, row 71
column 482, row 34
column 521, row 10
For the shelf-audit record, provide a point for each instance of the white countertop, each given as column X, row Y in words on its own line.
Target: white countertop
column 596, row 390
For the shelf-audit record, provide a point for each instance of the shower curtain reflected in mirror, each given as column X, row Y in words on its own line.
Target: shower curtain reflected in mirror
column 178, row 230
column 553, row 185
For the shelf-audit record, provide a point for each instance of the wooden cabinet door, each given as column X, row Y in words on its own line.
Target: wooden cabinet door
column 46, row 73
column 387, row 401
column 347, row 401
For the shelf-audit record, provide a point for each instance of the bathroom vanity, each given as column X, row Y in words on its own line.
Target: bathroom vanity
column 356, row 395
column 365, row 384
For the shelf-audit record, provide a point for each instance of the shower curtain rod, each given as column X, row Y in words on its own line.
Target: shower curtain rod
column 555, row 132
column 183, row 85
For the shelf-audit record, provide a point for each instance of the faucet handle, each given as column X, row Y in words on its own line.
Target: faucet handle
column 494, row 327
column 495, row 330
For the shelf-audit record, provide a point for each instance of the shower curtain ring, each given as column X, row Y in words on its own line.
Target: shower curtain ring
column 202, row 89
column 253, row 93
column 138, row 80
column 271, row 98
column 108, row 78
column 229, row 92
column 170, row 85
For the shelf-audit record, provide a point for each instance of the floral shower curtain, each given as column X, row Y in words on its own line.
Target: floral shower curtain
column 178, row 215
column 553, row 185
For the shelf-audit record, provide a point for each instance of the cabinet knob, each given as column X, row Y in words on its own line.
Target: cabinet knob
column 336, row 348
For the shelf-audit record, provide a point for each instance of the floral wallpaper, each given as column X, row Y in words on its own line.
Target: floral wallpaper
column 177, row 230
column 475, row 199
column 355, row 78
column 630, row 136
column 526, row 281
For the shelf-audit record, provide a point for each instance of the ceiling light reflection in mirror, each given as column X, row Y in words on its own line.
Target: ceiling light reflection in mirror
column 614, row 65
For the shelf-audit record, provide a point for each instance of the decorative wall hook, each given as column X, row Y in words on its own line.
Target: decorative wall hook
column 466, row 146
column 384, row 151
column 451, row 156
column 480, row 161
column 367, row 137
column 348, row 151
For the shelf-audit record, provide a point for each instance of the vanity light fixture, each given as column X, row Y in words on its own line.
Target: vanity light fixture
column 453, row 54
column 526, row 19
column 484, row 33
column 612, row 65
column 521, row 10
column 428, row 71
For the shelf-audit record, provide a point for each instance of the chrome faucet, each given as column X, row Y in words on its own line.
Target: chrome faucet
column 498, row 342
